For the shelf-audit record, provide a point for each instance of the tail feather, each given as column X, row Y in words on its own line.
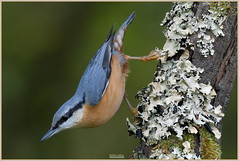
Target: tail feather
column 110, row 33
column 128, row 21
column 119, row 37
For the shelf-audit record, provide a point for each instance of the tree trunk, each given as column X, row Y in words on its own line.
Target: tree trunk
column 180, row 113
column 221, row 68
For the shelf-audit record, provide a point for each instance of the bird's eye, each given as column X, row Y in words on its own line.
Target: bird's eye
column 64, row 118
column 58, row 123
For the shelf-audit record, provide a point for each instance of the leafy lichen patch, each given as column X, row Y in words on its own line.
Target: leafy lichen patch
column 181, row 23
column 173, row 104
column 182, row 100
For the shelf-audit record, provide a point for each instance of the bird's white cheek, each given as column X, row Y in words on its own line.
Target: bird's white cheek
column 75, row 119
column 77, row 116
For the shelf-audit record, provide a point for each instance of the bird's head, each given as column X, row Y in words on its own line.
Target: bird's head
column 68, row 116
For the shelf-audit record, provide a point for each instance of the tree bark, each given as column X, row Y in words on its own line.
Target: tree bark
column 221, row 68
column 220, row 71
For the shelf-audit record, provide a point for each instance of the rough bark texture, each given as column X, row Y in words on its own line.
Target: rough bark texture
column 219, row 69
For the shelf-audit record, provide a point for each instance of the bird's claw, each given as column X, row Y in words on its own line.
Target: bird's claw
column 133, row 110
column 153, row 55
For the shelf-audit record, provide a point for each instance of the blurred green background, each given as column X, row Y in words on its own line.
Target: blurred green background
column 46, row 47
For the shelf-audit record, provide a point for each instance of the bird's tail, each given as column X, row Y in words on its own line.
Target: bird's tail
column 127, row 21
column 119, row 37
column 111, row 33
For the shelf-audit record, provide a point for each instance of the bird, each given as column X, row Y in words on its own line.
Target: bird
column 101, row 88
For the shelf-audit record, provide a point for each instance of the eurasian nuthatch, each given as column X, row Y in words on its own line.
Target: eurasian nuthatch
column 101, row 88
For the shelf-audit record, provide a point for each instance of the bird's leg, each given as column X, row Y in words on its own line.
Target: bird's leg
column 133, row 110
column 153, row 55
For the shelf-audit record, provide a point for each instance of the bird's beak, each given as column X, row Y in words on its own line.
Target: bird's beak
column 49, row 134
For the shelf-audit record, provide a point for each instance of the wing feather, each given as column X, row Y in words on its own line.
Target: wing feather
column 95, row 79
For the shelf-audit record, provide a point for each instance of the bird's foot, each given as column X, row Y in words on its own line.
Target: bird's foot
column 133, row 110
column 153, row 55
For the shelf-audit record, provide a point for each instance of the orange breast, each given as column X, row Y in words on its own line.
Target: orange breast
column 111, row 100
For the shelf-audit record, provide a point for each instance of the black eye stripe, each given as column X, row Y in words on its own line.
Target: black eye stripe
column 65, row 117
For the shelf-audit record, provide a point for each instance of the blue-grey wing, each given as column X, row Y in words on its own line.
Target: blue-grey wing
column 95, row 79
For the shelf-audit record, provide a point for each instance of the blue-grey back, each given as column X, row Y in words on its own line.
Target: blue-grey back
column 95, row 79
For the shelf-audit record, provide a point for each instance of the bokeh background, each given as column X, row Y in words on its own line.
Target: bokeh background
column 45, row 49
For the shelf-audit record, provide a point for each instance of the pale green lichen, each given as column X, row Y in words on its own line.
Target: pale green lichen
column 181, row 23
column 181, row 99
column 175, row 104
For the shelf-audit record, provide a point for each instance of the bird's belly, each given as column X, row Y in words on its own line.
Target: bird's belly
column 110, row 101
